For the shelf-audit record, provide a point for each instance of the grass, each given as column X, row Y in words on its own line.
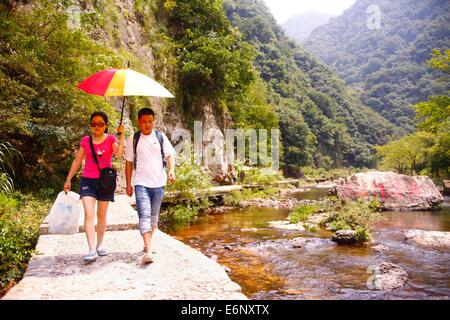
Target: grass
column 302, row 213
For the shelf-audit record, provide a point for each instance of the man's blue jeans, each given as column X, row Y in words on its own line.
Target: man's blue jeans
column 148, row 204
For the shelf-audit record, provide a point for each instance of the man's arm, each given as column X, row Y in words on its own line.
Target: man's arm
column 171, row 168
column 128, row 172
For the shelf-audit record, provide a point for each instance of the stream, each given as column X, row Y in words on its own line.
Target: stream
column 261, row 260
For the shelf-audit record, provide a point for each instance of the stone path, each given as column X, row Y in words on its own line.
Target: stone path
column 57, row 271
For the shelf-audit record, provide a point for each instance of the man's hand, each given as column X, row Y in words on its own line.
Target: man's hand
column 172, row 176
column 130, row 190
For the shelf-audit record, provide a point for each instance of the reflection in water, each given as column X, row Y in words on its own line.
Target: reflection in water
column 267, row 267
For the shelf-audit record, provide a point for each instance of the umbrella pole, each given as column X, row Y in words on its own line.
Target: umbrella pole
column 121, row 114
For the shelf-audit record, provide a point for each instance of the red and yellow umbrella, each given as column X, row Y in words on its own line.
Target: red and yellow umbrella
column 123, row 82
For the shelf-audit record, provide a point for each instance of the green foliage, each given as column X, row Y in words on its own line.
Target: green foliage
column 332, row 174
column 427, row 150
column 7, row 157
column 20, row 218
column 320, row 123
column 310, row 228
column 183, row 214
column 408, row 155
column 192, row 179
column 42, row 113
column 355, row 215
column 388, row 66
column 261, row 176
column 302, row 213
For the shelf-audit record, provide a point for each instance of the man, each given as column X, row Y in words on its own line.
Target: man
column 148, row 152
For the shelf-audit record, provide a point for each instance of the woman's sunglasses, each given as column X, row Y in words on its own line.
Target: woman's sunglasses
column 99, row 125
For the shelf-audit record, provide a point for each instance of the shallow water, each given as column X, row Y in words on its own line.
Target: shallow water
column 268, row 269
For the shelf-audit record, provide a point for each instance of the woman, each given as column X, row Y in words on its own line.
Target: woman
column 105, row 146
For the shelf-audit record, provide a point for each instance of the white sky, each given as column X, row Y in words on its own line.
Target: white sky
column 284, row 9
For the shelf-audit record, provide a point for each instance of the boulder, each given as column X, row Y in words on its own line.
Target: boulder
column 395, row 192
column 387, row 277
column 429, row 239
column 345, row 237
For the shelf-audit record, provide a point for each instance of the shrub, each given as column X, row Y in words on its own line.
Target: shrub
column 20, row 218
column 302, row 213
column 356, row 215
column 192, row 180
column 261, row 176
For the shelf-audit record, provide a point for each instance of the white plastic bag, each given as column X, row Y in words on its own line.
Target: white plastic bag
column 64, row 215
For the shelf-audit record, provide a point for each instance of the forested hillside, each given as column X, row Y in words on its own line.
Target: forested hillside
column 322, row 123
column 387, row 64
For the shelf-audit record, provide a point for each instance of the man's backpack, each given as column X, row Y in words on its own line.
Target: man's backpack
column 159, row 136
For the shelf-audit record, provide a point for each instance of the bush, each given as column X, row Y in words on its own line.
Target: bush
column 192, row 180
column 20, row 218
column 261, row 176
column 183, row 214
column 302, row 213
column 356, row 215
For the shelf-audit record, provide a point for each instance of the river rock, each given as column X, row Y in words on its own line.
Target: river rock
column 379, row 248
column 430, row 239
column 345, row 237
column 395, row 191
column 387, row 277
column 284, row 224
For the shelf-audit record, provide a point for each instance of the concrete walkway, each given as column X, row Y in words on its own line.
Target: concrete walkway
column 57, row 271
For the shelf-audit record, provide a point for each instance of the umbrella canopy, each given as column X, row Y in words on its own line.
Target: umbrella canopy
column 123, row 82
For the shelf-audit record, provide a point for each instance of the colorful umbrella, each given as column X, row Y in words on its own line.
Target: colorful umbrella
column 123, row 82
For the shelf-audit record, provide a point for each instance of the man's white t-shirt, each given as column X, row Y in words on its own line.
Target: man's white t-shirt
column 149, row 170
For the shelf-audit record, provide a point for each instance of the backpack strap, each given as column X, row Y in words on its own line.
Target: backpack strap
column 136, row 137
column 161, row 142
column 159, row 136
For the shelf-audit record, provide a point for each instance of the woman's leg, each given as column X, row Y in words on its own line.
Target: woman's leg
column 102, row 209
column 89, row 226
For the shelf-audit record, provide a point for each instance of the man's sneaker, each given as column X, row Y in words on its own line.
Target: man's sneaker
column 90, row 257
column 147, row 258
column 102, row 252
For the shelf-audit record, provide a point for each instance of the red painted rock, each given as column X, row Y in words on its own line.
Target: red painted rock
column 394, row 191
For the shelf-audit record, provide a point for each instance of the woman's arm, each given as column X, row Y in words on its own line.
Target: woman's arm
column 76, row 164
column 120, row 146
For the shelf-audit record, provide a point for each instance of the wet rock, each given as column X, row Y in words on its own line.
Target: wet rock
column 430, row 239
column 283, row 224
column 326, row 185
column 345, row 237
column 387, row 277
column 299, row 242
column 379, row 248
column 249, row 229
column 394, row 191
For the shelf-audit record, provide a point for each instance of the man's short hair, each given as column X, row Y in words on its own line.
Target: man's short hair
column 146, row 112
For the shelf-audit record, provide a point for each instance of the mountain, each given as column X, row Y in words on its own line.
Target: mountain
column 381, row 48
column 300, row 26
column 322, row 123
